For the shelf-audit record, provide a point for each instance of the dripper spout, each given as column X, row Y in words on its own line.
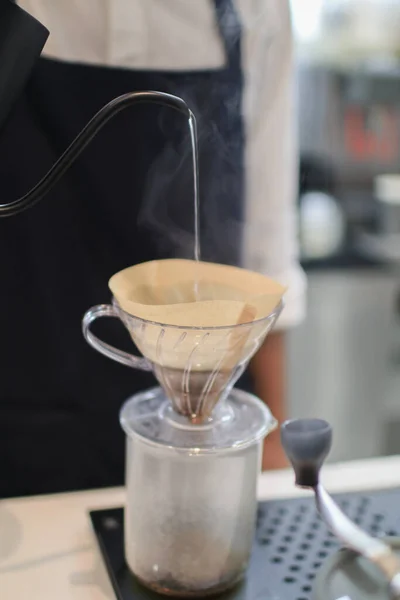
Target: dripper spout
column 195, row 394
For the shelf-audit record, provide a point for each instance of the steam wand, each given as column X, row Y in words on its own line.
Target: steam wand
column 46, row 184
column 307, row 443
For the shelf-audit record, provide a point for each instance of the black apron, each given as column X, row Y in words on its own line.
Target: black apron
column 128, row 199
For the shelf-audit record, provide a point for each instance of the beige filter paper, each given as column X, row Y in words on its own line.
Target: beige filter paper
column 187, row 293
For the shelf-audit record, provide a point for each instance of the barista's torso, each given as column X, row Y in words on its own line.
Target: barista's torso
column 128, row 199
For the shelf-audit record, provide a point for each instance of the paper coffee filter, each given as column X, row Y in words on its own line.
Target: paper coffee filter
column 197, row 323
column 187, row 293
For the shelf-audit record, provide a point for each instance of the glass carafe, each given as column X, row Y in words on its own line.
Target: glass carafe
column 191, row 492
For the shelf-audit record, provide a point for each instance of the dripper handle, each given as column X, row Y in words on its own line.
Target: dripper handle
column 125, row 358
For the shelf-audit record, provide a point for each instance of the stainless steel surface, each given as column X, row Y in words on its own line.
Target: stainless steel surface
column 343, row 363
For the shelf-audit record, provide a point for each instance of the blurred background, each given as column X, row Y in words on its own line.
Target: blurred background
column 344, row 360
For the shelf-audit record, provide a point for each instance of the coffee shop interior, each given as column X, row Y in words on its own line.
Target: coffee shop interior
column 344, row 360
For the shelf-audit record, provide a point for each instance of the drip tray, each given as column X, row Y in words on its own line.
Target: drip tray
column 290, row 545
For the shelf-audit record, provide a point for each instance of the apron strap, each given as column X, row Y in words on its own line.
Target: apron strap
column 231, row 31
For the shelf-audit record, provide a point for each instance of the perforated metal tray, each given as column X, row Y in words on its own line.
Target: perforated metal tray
column 290, row 545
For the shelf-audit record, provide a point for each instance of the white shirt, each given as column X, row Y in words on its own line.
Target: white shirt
column 183, row 34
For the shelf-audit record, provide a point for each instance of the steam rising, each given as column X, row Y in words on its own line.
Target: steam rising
column 167, row 208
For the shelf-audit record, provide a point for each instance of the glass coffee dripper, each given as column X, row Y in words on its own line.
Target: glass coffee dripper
column 194, row 443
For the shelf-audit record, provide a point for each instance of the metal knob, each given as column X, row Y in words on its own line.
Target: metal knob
column 307, row 443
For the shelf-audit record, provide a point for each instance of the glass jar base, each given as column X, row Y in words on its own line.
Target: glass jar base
column 174, row 590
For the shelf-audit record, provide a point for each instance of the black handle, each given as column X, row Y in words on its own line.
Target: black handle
column 22, row 39
column 307, row 443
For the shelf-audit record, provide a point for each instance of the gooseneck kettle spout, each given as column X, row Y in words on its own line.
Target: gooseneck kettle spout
column 111, row 109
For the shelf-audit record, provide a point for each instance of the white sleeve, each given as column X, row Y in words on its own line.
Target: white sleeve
column 270, row 236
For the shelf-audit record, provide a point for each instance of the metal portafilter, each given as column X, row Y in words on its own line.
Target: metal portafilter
column 307, row 443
